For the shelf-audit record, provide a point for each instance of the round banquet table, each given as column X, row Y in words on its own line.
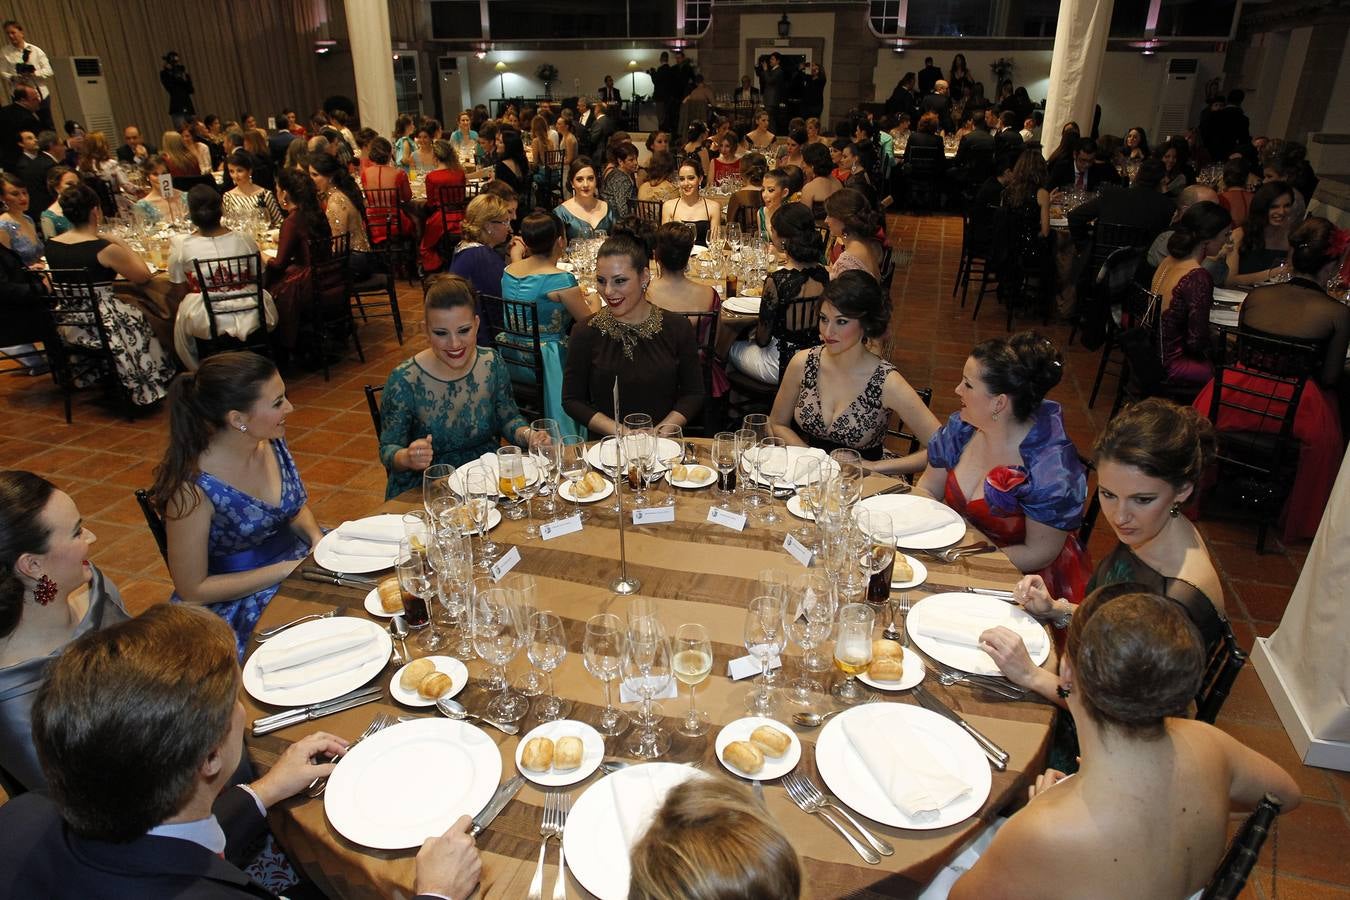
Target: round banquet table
column 700, row 572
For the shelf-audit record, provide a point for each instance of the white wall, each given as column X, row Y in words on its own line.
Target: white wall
column 580, row 72
column 1338, row 107
column 1131, row 82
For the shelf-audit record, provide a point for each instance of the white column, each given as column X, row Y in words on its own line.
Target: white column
column 1076, row 67
column 372, row 62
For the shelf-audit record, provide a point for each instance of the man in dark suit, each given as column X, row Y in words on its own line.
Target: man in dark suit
column 280, row 141
column 603, row 126
column 1008, row 139
column 34, row 172
column 774, row 92
column 903, row 99
column 133, row 149
column 939, row 103
column 1082, row 171
column 19, row 116
column 929, row 76
column 974, row 154
column 1141, row 205
column 608, row 93
column 139, row 729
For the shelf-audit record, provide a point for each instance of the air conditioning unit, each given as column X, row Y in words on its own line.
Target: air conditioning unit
column 1176, row 104
column 82, row 92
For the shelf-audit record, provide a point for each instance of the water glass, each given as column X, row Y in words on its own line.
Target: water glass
column 724, row 457
column 667, row 451
column 809, row 617
column 547, row 649
column 603, row 650
column 480, row 491
column 765, row 637
column 614, row 460
column 573, row 466
column 647, row 672
column 545, row 450
column 496, row 637
column 771, row 475
column 437, row 492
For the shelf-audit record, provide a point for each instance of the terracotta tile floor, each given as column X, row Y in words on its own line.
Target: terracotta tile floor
column 102, row 458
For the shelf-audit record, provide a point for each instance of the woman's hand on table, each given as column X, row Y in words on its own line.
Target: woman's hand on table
column 449, row 865
column 1008, row 651
column 296, row 768
column 416, row 456
column 1034, row 597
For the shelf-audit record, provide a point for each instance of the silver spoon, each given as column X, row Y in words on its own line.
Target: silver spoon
column 398, row 627
column 813, row 719
column 455, row 710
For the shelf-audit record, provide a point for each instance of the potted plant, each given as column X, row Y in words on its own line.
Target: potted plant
column 547, row 73
column 1002, row 69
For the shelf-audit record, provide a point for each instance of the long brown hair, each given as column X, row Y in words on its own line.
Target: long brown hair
column 23, row 497
column 1029, row 175
column 198, row 405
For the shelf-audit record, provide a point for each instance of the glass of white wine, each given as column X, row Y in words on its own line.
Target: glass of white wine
column 693, row 662
column 853, row 649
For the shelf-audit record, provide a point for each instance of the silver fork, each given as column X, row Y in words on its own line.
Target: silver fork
column 898, row 606
column 948, row 676
column 816, row 795
column 273, row 632
column 379, row 723
column 547, row 829
column 806, row 805
column 560, row 886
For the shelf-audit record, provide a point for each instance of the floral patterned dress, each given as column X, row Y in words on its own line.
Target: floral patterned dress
column 249, row 533
column 862, row 424
column 1050, row 487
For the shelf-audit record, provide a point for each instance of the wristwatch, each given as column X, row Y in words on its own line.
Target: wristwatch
column 1062, row 621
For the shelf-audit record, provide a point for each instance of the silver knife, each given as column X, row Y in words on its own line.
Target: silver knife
column 269, row 724
column 998, row 757
column 1005, row 596
column 320, row 570
column 340, row 580
column 496, row 805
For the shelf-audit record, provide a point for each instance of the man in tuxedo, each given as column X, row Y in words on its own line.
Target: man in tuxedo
column 34, row 171
column 939, row 103
column 1141, row 205
column 133, row 149
column 279, row 141
column 929, row 76
column 665, row 92
column 1082, row 171
column 974, row 154
column 608, row 93
column 774, row 91
column 604, row 125
column 139, row 728
column 1007, row 139
column 747, row 92
column 19, row 116
column 903, row 99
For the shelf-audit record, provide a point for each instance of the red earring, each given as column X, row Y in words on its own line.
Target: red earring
column 45, row 591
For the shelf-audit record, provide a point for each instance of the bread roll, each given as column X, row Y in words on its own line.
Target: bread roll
column 769, row 739
column 581, row 490
column 699, row 473
column 886, row 669
column 744, row 756
column 595, row 481
column 391, row 596
column 435, row 685
column 903, row 571
column 567, row 753
column 537, row 755
column 680, row 472
column 414, row 672
column 884, row 649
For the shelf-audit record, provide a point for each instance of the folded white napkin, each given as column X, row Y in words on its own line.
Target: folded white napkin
column 919, row 519
column 965, row 629
column 911, row 777
column 272, row 658
column 341, row 664
column 346, row 546
column 380, row 530
column 635, row 802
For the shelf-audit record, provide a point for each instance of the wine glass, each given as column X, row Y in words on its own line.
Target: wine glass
column 647, row 672
column 496, row 637
column 851, row 474
column 480, row 491
column 436, row 490
column 724, row 456
column 522, row 588
column 614, row 460
column 806, row 475
column 771, row 472
column 452, row 557
column 417, row 527
column 809, row 616
column 545, row 449
column 765, row 638
column 547, row 649
column 667, row 450
column 692, row 663
column 603, row 650
column 572, row 464
column 511, row 480
column 638, row 444
column 417, row 584
column 877, row 543
column 853, row 649
column 747, row 452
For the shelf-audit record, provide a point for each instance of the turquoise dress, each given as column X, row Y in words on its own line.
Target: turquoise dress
column 579, row 229
column 554, row 324
column 466, row 417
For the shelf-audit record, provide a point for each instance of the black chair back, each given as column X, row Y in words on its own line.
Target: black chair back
column 373, row 403
column 232, row 285
column 1226, row 659
column 648, row 211
column 155, row 522
column 84, row 351
column 1243, row 852
column 1108, row 237
column 384, row 204
column 705, row 329
column 1094, row 504
column 796, row 326
column 328, row 312
column 518, row 346
column 1112, row 277
column 186, row 183
column 902, row 432
column 449, row 202
column 747, row 210
column 553, row 178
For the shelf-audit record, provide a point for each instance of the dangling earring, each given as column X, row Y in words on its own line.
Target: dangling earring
column 1062, row 691
column 1175, row 510
column 44, row 592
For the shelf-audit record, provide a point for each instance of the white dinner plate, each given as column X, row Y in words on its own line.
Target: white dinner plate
column 847, row 776
column 411, row 781
column 594, row 841
column 593, row 750
column 798, row 509
column 373, row 606
column 904, row 506
column 457, row 479
column 793, row 454
column 459, row 677
column 692, row 484
column 920, row 574
column 666, row 449
column 746, row 306
column 326, row 552
column 377, row 654
column 774, row 766
column 913, row 674
column 959, row 656
column 566, row 493
column 698, row 250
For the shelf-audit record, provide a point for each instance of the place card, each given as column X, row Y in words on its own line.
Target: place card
column 670, row 693
column 652, row 515
column 798, row 550
column 550, row 530
column 505, row 564
column 746, row 666
column 725, row 517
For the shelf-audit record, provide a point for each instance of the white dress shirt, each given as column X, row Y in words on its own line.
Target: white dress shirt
column 12, row 56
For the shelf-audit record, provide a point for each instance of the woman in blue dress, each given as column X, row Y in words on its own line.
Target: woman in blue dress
column 450, row 403
column 233, row 504
column 584, row 214
column 17, row 231
column 558, row 303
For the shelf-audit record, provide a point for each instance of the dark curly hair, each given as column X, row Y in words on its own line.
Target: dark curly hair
column 857, row 295
column 23, row 497
column 796, row 228
column 1161, row 439
column 1025, row 366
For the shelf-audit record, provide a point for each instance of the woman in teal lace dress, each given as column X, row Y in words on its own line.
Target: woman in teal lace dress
column 558, row 303
column 234, row 507
column 452, row 402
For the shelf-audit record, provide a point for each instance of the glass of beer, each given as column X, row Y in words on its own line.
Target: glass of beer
column 853, row 649
column 511, row 480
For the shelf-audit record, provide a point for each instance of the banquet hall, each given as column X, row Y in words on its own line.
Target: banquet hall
column 1000, row 176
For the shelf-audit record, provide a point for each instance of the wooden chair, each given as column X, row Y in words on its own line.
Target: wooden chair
column 447, row 201
column 552, row 188
column 518, row 346
column 232, row 293
column 373, row 403
column 1108, row 239
column 648, row 211
column 1226, row 659
column 82, row 351
column 384, row 206
column 899, row 433
column 977, row 233
column 705, row 328
column 923, row 178
column 1243, row 852
column 377, row 291
column 154, row 521
column 795, row 328
column 329, row 311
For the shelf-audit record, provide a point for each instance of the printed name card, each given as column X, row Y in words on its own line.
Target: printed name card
column 746, row 666
column 725, row 517
column 551, row 530
column 505, row 564
column 651, row 515
column 798, row 550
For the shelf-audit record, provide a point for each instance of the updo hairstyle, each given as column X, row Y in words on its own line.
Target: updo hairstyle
column 450, row 292
column 1204, row 221
column 674, row 243
column 857, row 295
column 754, row 167
column 626, row 243
column 540, row 231
column 851, row 208
column 204, row 207
column 78, row 203
column 1161, row 439
column 23, row 497
column 1025, row 366
column 1311, row 244
column 796, row 229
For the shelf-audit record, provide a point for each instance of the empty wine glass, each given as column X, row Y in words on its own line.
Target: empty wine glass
column 523, row 595
column 693, row 663
column 647, row 672
column 614, row 460
column 547, row 649
column 667, row 450
column 480, row 491
column 765, row 638
column 511, row 480
column 496, row 637
column 771, row 473
column 810, row 619
column 545, row 450
column 746, row 439
column 724, row 458
column 851, row 474
column 603, row 650
column 437, row 492
column 452, row 556
column 806, row 475
column 853, row 649
column 572, row 463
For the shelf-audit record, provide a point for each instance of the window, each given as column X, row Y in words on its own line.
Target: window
column 885, row 17
column 697, row 16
